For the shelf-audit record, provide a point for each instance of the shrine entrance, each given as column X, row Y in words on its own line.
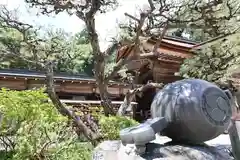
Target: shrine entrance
column 144, row 100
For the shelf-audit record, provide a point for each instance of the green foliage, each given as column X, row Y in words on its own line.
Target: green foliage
column 80, row 8
column 215, row 61
column 111, row 62
column 39, row 131
column 126, row 33
column 6, row 155
column 22, row 46
column 76, row 56
column 208, row 19
column 73, row 151
column 111, row 126
column 26, row 106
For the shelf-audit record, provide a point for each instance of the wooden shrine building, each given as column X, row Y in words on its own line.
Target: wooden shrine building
column 73, row 89
column 162, row 65
column 157, row 67
column 76, row 87
column 171, row 54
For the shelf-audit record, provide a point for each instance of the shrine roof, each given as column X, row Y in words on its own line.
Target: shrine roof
column 170, row 48
column 60, row 76
column 41, row 74
column 177, row 41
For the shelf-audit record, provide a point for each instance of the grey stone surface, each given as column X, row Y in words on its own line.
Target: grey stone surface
column 144, row 132
column 196, row 110
column 106, row 150
column 217, row 149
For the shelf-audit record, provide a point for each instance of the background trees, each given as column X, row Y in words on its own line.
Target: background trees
column 23, row 47
column 216, row 60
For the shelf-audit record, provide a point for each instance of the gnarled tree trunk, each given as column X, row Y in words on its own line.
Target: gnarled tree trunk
column 99, row 64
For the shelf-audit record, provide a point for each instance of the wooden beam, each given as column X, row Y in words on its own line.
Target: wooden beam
column 169, row 61
column 90, row 102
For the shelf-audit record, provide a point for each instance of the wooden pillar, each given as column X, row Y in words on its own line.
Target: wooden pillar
column 234, row 134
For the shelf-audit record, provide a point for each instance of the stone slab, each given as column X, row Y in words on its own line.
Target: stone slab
column 162, row 149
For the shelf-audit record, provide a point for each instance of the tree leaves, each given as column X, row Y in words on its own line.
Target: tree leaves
column 25, row 48
column 214, row 61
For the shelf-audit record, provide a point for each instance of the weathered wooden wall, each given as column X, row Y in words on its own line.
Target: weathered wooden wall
column 72, row 87
column 67, row 86
column 165, row 71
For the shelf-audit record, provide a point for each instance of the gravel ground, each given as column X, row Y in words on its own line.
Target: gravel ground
column 220, row 140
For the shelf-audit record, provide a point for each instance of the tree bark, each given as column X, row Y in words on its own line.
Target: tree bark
column 131, row 93
column 91, row 136
column 99, row 64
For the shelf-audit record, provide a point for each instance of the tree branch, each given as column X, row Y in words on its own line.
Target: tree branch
column 159, row 40
column 62, row 109
column 131, row 93
column 136, row 44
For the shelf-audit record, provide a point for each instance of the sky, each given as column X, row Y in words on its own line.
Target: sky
column 106, row 24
